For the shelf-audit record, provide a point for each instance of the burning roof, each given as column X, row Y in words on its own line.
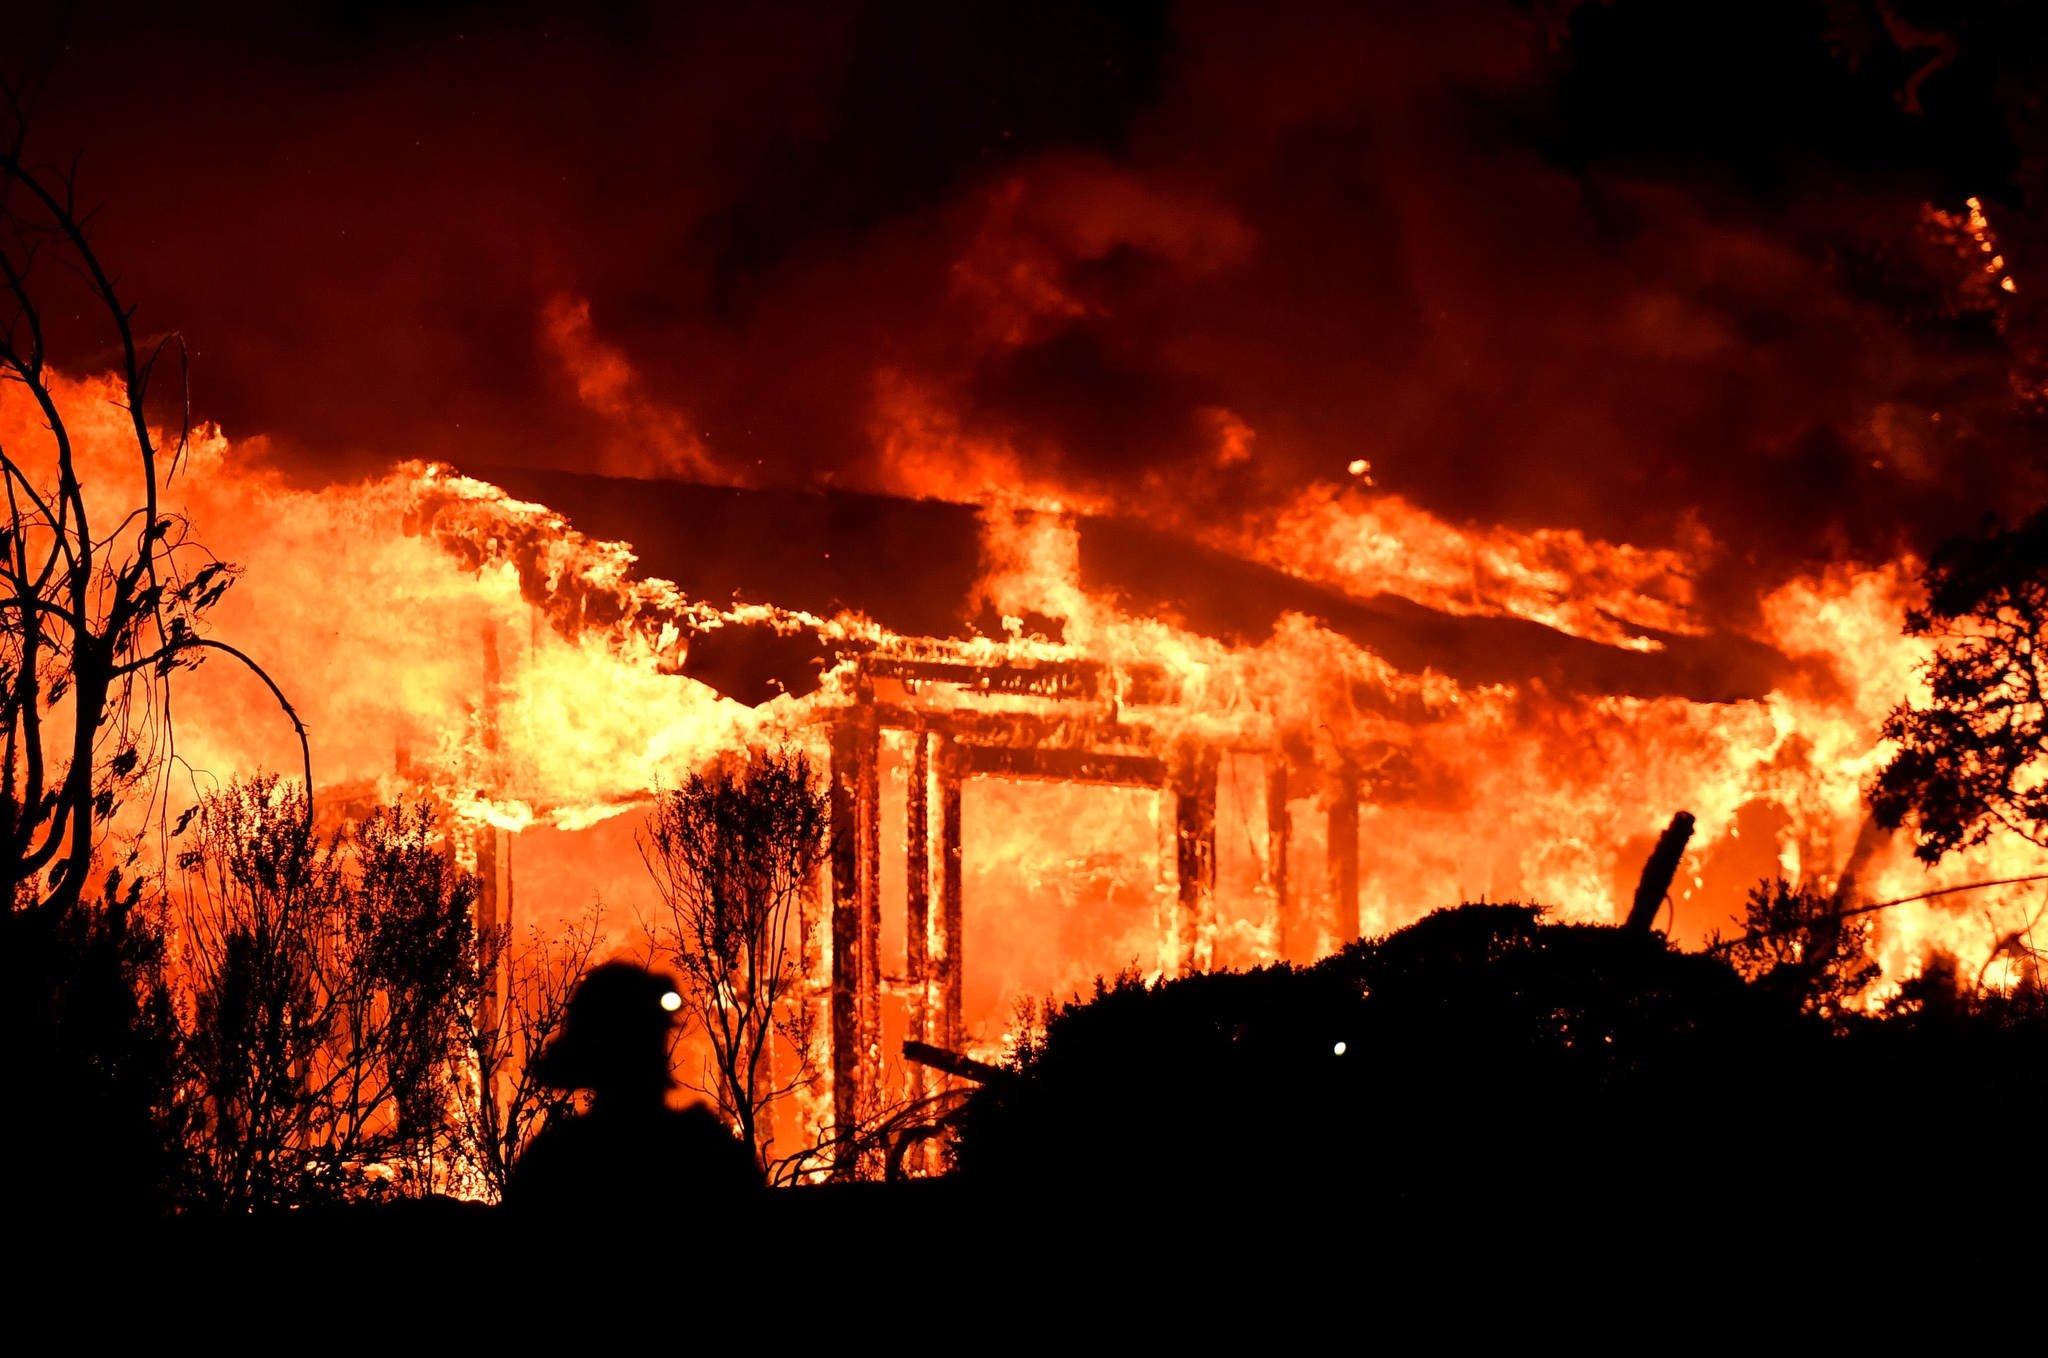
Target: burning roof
column 912, row 566
column 536, row 672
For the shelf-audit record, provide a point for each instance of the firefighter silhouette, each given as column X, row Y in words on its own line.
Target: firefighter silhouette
column 629, row 1152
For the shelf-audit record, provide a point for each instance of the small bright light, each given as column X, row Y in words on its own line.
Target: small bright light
column 1359, row 466
column 671, row 1001
column 1338, row 1049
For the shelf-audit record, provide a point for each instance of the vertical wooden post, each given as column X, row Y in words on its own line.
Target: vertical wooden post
column 1194, row 815
column 917, row 863
column 948, row 947
column 1279, row 831
column 1343, row 851
column 869, row 819
column 848, row 874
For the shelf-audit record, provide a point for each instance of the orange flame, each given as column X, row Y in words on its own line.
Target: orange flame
column 439, row 635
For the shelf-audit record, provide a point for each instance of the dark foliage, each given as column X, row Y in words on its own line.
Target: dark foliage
column 91, row 1056
column 1796, row 942
column 1970, row 762
column 1181, row 1085
column 1520, row 1101
column 330, row 981
column 1486, row 1055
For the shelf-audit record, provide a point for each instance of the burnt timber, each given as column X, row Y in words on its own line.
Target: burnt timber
column 1079, row 730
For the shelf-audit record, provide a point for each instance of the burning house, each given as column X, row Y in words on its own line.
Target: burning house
column 1061, row 742
column 1260, row 732
column 1312, row 470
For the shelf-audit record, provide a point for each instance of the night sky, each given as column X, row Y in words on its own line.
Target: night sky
column 1658, row 271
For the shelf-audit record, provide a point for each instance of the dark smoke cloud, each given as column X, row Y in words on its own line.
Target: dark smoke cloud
column 1637, row 268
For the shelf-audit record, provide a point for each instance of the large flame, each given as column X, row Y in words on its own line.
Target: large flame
column 440, row 637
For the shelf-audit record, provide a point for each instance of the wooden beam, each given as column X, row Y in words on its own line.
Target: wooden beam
column 1074, row 729
column 1194, row 816
column 953, row 1063
column 1065, row 766
column 917, row 865
column 1069, row 679
column 1658, row 871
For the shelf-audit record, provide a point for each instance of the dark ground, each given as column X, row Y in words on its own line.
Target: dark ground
column 1818, row 1258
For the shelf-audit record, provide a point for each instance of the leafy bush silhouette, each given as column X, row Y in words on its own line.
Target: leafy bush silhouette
column 1191, row 1082
column 92, row 1052
column 1796, row 941
column 1481, row 1051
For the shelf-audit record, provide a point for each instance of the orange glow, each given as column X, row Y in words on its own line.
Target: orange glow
column 443, row 639
column 1366, row 544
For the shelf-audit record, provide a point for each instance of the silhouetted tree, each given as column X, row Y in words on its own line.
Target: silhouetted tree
column 1972, row 760
column 103, row 596
column 103, row 600
column 1796, row 942
column 734, row 852
column 329, row 980
column 408, row 964
column 262, row 895
column 501, row 1103
column 90, row 1045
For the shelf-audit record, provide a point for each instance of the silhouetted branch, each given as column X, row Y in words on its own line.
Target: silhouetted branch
column 97, row 623
column 1791, row 928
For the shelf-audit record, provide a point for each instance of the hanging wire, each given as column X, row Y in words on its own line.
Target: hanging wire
column 1796, row 926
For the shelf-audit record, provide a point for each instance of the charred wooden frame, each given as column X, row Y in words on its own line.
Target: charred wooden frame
column 1066, row 722
column 1060, row 721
